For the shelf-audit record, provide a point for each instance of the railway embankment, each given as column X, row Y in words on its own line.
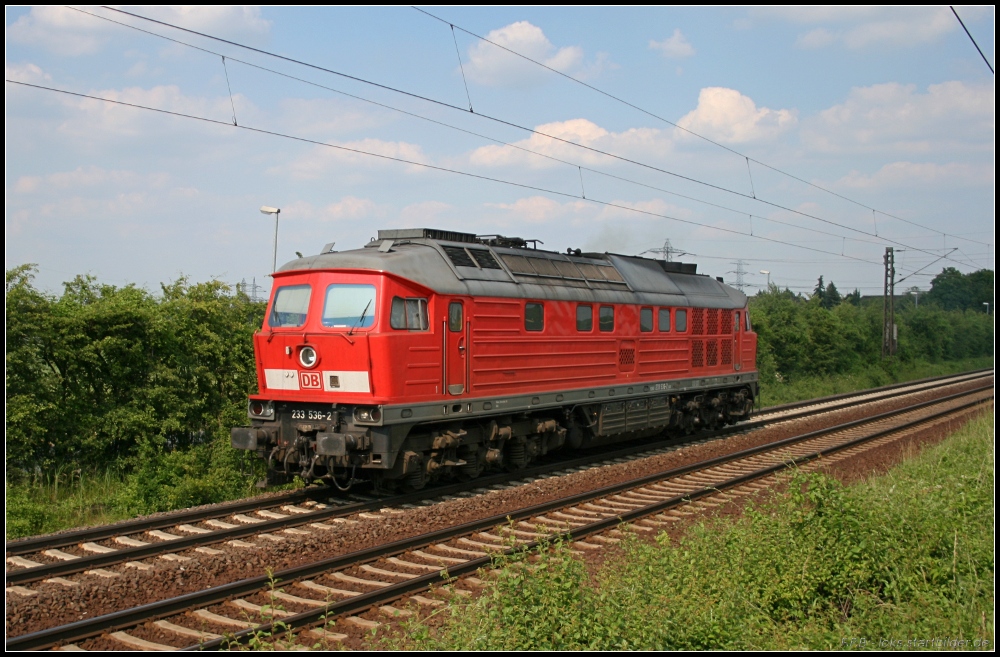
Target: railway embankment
column 836, row 560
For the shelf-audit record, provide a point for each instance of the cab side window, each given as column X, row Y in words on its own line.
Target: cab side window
column 408, row 314
column 681, row 321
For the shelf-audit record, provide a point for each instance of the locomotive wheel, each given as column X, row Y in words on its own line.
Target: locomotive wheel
column 474, row 466
column 515, row 456
column 415, row 480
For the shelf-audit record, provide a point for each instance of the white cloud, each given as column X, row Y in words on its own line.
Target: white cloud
column 87, row 177
column 539, row 209
column 65, row 31
column 26, row 73
column 90, row 117
column 348, row 207
column 910, row 175
column 493, row 66
column 861, row 27
column 635, row 141
column 728, row 116
column 421, row 214
column 675, row 47
column 950, row 115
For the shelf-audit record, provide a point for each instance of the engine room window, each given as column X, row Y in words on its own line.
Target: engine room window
column 681, row 320
column 534, row 317
column 584, row 318
column 455, row 316
column 664, row 320
column 646, row 320
column 349, row 305
column 291, row 304
column 607, row 318
column 409, row 314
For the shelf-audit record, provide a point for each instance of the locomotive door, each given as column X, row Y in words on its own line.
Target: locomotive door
column 738, row 340
column 456, row 350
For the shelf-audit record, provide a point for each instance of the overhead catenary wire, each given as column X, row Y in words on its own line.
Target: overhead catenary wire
column 512, row 124
column 969, row 34
column 608, row 204
column 576, row 165
column 688, row 130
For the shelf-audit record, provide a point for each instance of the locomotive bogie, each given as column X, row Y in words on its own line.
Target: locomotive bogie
column 427, row 357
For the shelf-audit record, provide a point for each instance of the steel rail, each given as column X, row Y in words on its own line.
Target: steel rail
column 126, row 618
column 392, row 593
column 121, row 555
column 38, row 543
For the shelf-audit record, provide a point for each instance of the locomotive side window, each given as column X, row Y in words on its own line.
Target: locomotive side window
column 736, row 322
column 349, row 305
column 681, row 321
column 584, row 318
column 455, row 316
column 646, row 320
column 410, row 314
column 607, row 318
column 291, row 303
column 534, row 317
column 747, row 315
column 664, row 320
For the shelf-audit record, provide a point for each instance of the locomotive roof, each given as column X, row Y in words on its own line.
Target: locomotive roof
column 462, row 264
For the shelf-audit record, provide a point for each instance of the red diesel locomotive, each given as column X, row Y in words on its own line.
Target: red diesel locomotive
column 430, row 354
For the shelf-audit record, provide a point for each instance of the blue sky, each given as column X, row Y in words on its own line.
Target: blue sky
column 892, row 108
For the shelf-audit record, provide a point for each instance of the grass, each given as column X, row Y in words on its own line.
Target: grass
column 67, row 498
column 774, row 392
column 905, row 560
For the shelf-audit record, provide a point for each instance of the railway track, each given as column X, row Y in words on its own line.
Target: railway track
column 375, row 584
column 91, row 551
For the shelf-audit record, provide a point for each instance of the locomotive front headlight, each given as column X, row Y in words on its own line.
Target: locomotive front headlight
column 367, row 414
column 308, row 358
column 260, row 410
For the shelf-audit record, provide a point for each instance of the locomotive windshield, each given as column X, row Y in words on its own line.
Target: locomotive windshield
column 349, row 306
column 291, row 303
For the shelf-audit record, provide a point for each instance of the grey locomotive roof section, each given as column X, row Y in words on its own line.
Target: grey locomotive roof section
column 425, row 262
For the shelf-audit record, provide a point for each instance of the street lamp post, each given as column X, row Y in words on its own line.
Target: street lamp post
column 766, row 271
column 987, row 304
column 266, row 209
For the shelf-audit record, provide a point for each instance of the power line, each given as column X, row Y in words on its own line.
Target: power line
column 470, row 132
column 689, row 131
column 960, row 22
column 520, row 127
column 609, row 204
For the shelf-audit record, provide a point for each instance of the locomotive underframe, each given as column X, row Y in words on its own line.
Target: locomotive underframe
column 464, row 439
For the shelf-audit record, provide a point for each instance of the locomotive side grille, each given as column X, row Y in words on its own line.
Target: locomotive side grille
column 727, row 352
column 697, row 353
column 517, row 264
column 713, row 352
column 726, row 322
column 612, row 419
column 458, row 256
column 713, row 321
column 637, row 415
column 697, row 321
column 626, row 359
column 485, row 259
column 544, row 267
